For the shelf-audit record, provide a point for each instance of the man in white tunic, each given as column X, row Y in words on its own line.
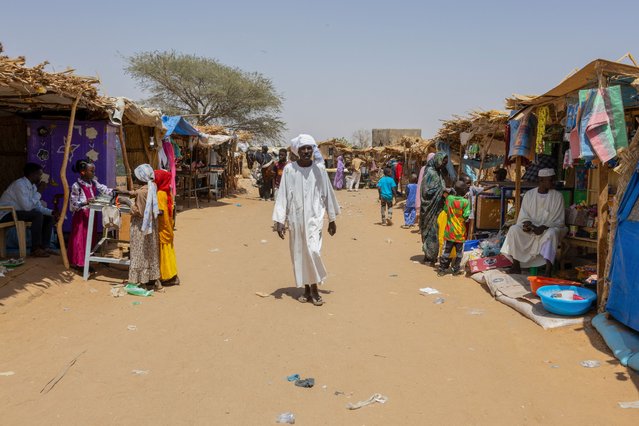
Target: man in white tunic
column 304, row 196
column 533, row 241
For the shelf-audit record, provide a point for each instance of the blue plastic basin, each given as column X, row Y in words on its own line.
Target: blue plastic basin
column 566, row 307
column 471, row 245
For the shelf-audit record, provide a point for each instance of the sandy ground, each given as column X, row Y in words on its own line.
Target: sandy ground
column 218, row 354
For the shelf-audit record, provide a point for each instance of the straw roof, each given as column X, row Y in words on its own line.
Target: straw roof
column 584, row 77
column 26, row 89
column 485, row 126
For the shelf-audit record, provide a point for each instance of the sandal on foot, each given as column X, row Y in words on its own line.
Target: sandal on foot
column 305, row 298
column 317, row 300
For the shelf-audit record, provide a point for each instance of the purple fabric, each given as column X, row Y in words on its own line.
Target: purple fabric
column 167, row 146
column 338, row 181
column 79, row 228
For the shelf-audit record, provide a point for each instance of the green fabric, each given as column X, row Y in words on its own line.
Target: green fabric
column 618, row 123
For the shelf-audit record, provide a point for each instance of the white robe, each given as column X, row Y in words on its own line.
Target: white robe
column 541, row 210
column 304, row 196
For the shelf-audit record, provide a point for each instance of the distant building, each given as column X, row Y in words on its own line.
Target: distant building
column 383, row 137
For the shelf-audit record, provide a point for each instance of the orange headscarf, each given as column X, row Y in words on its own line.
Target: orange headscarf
column 163, row 182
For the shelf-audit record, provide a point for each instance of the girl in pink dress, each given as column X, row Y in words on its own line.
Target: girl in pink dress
column 83, row 191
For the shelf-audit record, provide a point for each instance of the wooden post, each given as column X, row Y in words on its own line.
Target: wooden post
column 65, row 183
column 483, row 157
column 145, row 145
column 517, row 186
column 125, row 159
column 602, row 227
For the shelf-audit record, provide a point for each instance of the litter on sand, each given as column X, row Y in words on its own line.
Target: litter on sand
column 7, row 373
column 476, row 312
column 262, row 294
column 214, row 250
column 305, row 383
column 378, row 397
column 118, row 291
column 633, row 404
column 293, row 377
column 590, row 363
column 439, row 301
column 132, row 327
column 263, row 241
column 287, row 418
column 428, row 290
column 393, row 275
column 139, row 372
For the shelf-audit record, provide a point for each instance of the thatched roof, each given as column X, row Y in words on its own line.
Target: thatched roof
column 26, row 89
column 580, row 79
column 484, row 127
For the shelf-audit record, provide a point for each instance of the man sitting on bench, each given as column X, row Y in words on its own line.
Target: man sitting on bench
column 24, row 197
column 533, row 241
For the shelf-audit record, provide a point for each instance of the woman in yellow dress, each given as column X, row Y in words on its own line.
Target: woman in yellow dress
column 168, row 264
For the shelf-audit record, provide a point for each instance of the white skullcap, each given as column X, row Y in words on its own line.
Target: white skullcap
column 300, row 141
column 546, row 172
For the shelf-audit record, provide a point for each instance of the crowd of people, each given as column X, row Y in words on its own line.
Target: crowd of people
column 152, row 254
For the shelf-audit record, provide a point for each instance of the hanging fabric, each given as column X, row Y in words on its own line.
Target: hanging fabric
column 542, row 117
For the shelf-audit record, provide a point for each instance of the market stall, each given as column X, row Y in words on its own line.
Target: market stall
column 583, row 125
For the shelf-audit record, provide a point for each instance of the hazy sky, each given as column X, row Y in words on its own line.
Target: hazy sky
column 341, row 65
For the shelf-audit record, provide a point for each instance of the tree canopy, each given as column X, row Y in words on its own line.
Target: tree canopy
column 209, row 92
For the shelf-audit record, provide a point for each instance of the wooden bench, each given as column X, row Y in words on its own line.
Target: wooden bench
column 21, row 230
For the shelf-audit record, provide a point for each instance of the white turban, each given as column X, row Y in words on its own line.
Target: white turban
column 546, row 172
column 144, row 172
column 300, row 141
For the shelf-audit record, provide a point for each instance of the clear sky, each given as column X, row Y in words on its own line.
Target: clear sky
column 341, row 65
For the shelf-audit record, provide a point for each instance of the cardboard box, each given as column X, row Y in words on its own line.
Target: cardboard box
column 488, row 213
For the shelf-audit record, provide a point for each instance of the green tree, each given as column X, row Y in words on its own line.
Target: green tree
column 208, row 91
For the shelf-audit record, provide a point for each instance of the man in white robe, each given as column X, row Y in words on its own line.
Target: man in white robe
column 533, row 241
column 305, row 195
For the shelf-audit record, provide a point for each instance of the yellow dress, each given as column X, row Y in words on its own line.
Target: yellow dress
column 168, row 263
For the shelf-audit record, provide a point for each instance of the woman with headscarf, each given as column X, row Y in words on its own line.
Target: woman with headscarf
column 83, row 191
column 432, row 202
column 338, row 181
column 145, row 250
column 168, row 264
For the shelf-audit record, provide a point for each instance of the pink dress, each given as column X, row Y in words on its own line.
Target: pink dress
column 80, row 193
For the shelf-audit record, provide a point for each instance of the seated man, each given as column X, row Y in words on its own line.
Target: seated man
column 534, row 239
column 24, row 197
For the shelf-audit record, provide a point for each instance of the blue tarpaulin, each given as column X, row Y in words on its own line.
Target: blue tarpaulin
column 623, row 302
column 176, row 124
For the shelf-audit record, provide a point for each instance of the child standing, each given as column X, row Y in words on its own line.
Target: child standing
column 387, row 192
column 411, row 198
column 457, row 207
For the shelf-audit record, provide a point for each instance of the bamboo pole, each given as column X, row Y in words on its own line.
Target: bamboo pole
column 65, row 183
column 125, row 159
column 517, row 186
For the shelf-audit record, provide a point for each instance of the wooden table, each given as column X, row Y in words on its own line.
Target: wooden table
column 89, row 254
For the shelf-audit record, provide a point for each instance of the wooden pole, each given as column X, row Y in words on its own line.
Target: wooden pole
column 461, row 159
column 602, row 227
column 483, row 157
column 517, row 186
column 65, row 183
column 125, row 159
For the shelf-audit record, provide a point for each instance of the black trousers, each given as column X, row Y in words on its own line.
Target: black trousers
column 444, row 262
column 41, row 227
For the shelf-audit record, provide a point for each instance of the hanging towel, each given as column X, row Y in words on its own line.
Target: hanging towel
column 542, row 116
column 521, row 133
column 603, row 127
column 586, row 101
column 571, row 116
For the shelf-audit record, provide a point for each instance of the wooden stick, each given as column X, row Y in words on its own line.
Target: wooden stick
column 517, row 186
column 65, row 183
column 602, row 229
column 125, row 159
